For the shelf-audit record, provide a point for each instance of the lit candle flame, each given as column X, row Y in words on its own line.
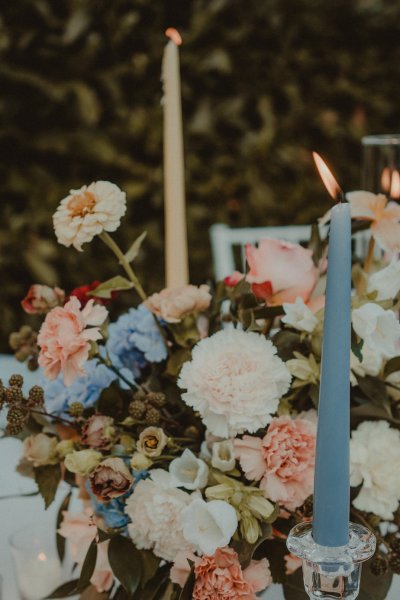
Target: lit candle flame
column 42, row 557
column 385, row 180
column 395, row 185
column 174, row 35
column 328, row 179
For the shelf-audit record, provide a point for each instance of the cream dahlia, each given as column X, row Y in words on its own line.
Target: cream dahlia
column 87, row 212
column 235, row 381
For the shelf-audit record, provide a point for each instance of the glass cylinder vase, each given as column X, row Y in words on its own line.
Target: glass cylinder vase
column 381, row 164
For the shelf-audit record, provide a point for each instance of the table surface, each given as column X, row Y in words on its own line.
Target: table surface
column 16, row 512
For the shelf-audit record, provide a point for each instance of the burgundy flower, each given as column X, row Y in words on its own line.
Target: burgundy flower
column 82, row 293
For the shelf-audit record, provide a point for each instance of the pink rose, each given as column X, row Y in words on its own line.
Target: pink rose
column 283, row 460
column 220, row 577
column 172, row 304
column 110, row 479
column 98, row 432
column 80, row 530
column 64, row 338
column 42, row 298
column 280, row 271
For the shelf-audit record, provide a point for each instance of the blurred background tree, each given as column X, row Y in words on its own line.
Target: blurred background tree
column 263, row 84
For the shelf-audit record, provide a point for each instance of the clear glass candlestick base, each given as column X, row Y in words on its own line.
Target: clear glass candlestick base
column 331, row 572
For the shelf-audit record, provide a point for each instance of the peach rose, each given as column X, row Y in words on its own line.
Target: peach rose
column 280, row 271
column 98, row 432
column 110, row 479
column 64, row 338
column 173, row 304
column 42, row 298
column 283, row 460
column 220, row 577
column 41, row 449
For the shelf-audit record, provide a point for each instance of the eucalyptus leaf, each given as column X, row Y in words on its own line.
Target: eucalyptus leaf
column 115, row 284
column 134, row 249
column 47, row 479
column 126, row 562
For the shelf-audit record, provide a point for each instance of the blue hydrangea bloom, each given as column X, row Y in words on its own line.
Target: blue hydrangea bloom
column 85, row 389
column 134, row 340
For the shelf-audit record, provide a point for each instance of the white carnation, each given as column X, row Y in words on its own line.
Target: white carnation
column 386, row 281
column 155, row 508
column 209, row 525
column 188, row 471
column 379, row 328
column 88, row 212
column 235, row 381
column 299, row 316
column 375, row 464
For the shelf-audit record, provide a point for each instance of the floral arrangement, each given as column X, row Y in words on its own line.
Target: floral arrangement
column 190, row 429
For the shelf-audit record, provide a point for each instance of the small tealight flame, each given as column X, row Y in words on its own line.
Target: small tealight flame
column 385, row 180
column 174, row 35
column 328, row 179
column 42, row 557
column 395, row 185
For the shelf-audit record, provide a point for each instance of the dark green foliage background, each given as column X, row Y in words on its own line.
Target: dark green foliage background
column 263, row 84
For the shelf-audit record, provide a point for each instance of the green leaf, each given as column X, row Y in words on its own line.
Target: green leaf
column 135, row 247
column 176, row 361
column 246, row 550
column 356, row 345
column 126, row 562
column 47, row 479
column 115, row 284
column 88, row 565
column 287, row 342
column 371, row 411
column 103, row 536
column 66, row 589
column 316, row 244
column 392, row 366
column 60, row 540
column 187, row 591
column 375, row 390
column 151, row 565
column 185, row 333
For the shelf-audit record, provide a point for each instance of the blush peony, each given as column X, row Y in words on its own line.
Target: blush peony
column 375, row 465
column 88, row 212
column 280, row 271
column 283, row 460
column 65, row 336
column 235, row 381
column 155, row 508
column 220, row 577
column 173, row 304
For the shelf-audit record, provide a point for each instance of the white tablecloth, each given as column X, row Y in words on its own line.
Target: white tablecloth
column 14, row 513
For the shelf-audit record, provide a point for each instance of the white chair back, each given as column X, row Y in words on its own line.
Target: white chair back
column 224, row 239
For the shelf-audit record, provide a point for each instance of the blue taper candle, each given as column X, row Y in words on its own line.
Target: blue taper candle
column 331, row 484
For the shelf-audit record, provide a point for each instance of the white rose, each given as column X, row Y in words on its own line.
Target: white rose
column 223, row 455
column 64, row 447
column 371, row 364
column 188, row 471
column 375, row 464
column 386, row 281
column 209, row 525
column 82, row 462
column 299, row 316
column 40, row 450
column 379, row 328
column 139, row 462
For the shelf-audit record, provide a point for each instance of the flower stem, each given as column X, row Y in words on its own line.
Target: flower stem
column 107, row 239
column 55, row 417
column 133, row 385
column 370, row 255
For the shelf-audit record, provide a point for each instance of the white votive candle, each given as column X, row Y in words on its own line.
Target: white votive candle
column 39, row 577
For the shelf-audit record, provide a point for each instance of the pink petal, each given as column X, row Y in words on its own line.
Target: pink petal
column 387, row 234
column 249, row 452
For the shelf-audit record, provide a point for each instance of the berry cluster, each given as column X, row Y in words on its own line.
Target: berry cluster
column 146, row 407
column 24, row 344
column 18, row 406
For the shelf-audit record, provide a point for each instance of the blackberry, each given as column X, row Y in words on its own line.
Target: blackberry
column 36, row 396
column 16, row 415
column 156, row 398
column 140, row 395
column 14, row 428
column 152, row 416
column 14, row 394
column 379, row 565
column 308, row 506
column 76, row 409
column 394, row 563
column 136, row 409
column 395, row 544
column 16, row 380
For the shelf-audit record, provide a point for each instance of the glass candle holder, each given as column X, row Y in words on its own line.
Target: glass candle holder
column 38, row 569
column 332, row 573
column 381, row 164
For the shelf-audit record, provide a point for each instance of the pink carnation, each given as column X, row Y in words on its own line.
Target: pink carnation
column 283, row 460
column 173, row 304
column 280, row 271
column 64, row 340
column 42, row 298
column 220, row 577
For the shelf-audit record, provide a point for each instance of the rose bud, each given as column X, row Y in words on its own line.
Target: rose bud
column 40, row 299
column 98, row 432
column 152, row 442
